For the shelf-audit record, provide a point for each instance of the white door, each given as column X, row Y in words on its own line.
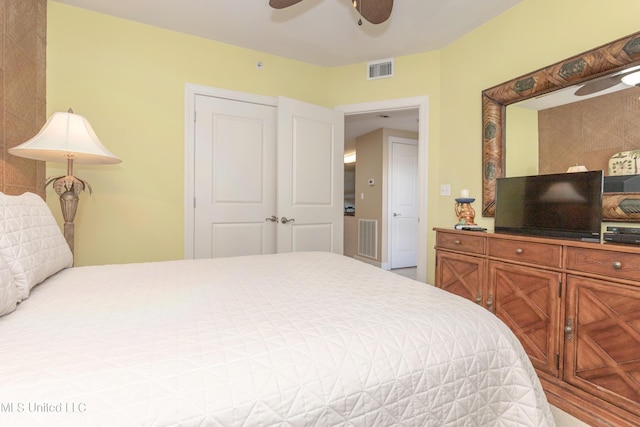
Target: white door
column 248, row 172
column 310, row 177
column 404, row 202
column 235, row 178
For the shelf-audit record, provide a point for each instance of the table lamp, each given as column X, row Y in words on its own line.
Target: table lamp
column 66, row 138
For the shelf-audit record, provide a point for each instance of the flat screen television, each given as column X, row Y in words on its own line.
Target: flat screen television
column 566, row 205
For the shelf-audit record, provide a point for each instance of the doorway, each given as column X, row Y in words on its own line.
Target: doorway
column 417, row 106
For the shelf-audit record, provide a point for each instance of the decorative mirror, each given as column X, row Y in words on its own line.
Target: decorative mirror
column 610, row 58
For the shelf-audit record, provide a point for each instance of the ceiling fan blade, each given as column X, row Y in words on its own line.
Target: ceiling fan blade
column 375, row 11
column 281, row 4
column 603, row 83
column 597, row 86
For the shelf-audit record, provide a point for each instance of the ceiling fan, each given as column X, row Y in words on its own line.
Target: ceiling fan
column 605, row 82
column 374, row 11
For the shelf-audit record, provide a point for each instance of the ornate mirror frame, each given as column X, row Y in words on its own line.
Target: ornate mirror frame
column 594, row 63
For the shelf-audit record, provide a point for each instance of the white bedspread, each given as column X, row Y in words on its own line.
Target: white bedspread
column 299, row 339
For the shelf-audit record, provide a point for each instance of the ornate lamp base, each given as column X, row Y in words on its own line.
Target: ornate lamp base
column 69, row 188
column 69, row 204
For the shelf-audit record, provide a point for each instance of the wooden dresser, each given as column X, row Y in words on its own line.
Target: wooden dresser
column 575, row 307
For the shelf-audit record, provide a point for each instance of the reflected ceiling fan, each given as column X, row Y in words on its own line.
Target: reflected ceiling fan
column 374, row 11
column 606, row 82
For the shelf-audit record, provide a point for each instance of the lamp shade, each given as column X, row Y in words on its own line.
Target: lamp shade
column 66, row 136
column 577, row 168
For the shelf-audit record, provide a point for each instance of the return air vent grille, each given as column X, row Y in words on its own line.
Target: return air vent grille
column 368, row 238
column 380, row 69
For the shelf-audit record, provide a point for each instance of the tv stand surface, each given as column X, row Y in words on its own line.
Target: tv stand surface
column 575, row 306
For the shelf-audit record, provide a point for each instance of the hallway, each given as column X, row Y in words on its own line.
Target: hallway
column 410, row 272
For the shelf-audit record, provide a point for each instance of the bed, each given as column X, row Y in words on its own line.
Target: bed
column 293, row 339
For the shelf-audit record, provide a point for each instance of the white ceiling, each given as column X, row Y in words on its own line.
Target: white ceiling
column 360, row 124
column 322, row 32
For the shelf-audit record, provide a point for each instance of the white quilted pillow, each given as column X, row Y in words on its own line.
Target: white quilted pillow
column 30, row 241
column 8, row 291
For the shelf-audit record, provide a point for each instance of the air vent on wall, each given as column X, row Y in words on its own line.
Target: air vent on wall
column 368, row 238
column 380, row 69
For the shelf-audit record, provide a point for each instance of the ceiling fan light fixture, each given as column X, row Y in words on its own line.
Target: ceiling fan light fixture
column 632, row 79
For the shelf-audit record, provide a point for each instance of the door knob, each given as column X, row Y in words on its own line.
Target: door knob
column 285, row 220
column 396, row 214
column 272, row 218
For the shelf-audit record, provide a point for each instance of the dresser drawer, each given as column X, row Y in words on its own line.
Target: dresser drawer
column 604, row 262
column 546, row 254
column 464, row 242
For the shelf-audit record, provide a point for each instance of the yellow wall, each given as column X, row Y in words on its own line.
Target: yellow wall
column 529, row 36
column 521, row 152
column 128, row 80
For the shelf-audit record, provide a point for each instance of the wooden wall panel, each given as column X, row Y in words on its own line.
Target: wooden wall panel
column 589, row 132
column 23, row 26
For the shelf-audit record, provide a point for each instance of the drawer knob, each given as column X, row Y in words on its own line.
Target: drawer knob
column 568, row 329
column 479, row 297
column 519, row 251
column 617, row 265
column 457, row 242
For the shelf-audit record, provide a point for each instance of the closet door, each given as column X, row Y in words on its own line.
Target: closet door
column 310, row 177
column 267, row 179
column 235, row 178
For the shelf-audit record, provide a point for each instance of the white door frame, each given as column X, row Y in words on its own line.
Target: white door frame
column 422, row 104
column 190, row 93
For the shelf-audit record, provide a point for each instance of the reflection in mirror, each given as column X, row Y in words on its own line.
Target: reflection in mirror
column 553, row 132
column 521, row 154
column 350, row 188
